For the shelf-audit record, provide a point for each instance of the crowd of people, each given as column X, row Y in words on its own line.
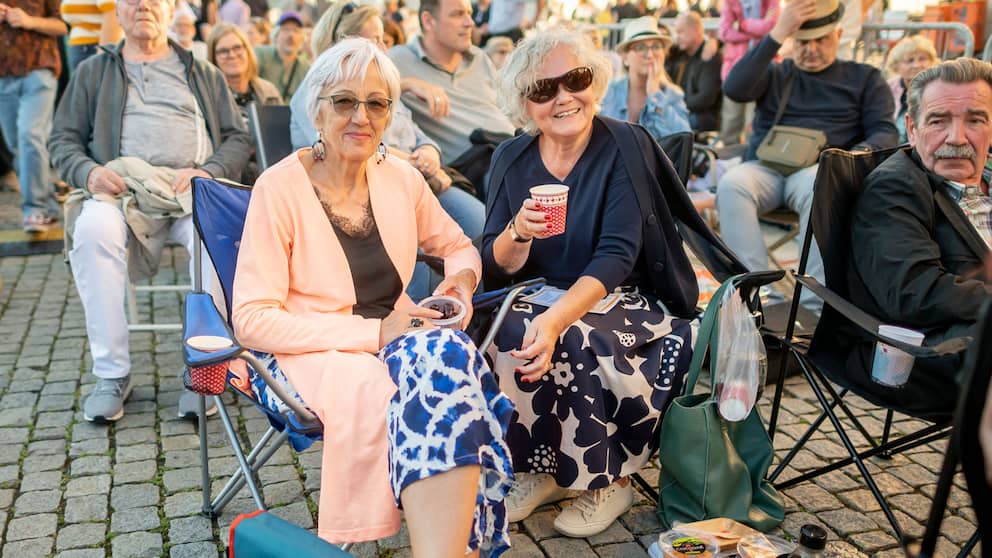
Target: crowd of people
column 425, row 131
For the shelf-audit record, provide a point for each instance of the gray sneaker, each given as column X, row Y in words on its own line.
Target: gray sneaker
column 106, row 402
column 188, row 405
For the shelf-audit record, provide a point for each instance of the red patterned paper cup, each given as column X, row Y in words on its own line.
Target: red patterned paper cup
column 554, row 200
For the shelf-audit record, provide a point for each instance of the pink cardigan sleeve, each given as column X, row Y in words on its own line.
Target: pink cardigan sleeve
column 262, row 282
column 730, row 14
column 758, row 28
column 439, row 235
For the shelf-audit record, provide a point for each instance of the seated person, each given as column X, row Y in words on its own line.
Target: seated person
column 443, row 56
column 330, row 241
column 849, row 102
column 228, row 49
column 150, row 101
column 646, row 95
column 283, row 62
column 908, row 57
column 183, row 31
column 590, row 387
column 402, row 137
column 694, row 65
column 920, row 233
column 498, row 48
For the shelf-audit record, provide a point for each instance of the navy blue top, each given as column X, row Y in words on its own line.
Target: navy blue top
column 603, row 233
column 848, row 101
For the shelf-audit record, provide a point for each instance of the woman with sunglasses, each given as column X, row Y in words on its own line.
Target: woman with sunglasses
column 330, row 241
column 646, row 94
column 590, row 366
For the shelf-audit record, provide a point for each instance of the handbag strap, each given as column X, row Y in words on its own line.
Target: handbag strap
column 707, row 337
column 785, row 98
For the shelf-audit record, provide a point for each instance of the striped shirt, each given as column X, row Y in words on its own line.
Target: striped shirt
column 86, row 19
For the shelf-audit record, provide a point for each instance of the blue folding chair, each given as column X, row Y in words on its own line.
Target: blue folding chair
column 219, row 211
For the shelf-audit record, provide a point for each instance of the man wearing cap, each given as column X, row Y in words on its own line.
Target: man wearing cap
column 281, row 63
column 921, row 232
column 143, row 116
column 845, row 100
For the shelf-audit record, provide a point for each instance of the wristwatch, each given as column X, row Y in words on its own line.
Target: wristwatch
column 515, row 235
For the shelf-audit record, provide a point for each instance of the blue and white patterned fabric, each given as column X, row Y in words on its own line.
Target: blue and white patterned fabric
column 448, row 412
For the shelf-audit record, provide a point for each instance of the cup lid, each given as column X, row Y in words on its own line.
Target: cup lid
column 208, row 343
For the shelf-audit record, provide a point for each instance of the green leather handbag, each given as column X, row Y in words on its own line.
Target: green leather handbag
column 711, row 467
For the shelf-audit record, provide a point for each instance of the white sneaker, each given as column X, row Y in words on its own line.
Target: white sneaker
column 530, row 491
column 594, row 510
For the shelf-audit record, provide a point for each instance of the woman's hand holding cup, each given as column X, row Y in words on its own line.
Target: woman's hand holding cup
column 531, row 221
column 403, row 320
column 460, row 285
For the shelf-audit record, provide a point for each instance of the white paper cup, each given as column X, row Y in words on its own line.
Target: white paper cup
column 891, row 366
column 451, row 307
column 554, row 202
column 736, row 400
column 208, row 343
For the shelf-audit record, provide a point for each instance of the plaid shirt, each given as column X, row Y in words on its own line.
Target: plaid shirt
column 977, row 207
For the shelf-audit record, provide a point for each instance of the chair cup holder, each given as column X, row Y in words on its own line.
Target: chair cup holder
column 210, row 379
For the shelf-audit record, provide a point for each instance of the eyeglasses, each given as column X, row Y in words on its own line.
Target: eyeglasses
column 347, row 105
column 236, row 50
column 641, row 48
column 543, row 90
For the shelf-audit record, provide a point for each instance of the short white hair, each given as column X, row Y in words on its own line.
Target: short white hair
column 523, row 69
column 349, row 59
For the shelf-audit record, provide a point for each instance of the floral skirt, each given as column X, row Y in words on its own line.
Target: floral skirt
column 448, row 411
column 594, row 417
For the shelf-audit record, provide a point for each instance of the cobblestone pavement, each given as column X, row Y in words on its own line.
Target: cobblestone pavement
column 72, row 489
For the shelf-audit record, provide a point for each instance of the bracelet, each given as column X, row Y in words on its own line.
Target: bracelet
column 514, row 235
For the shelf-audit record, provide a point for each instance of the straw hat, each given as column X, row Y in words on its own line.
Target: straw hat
column 826, row 19
column 642, row 29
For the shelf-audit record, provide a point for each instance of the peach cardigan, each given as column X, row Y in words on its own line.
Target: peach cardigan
column 293, row 295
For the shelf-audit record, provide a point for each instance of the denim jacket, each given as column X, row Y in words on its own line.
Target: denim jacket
column 664, row 112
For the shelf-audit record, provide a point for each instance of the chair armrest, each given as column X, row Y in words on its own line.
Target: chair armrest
column 435, row 263
column 304, row 415
column 200, row 317
column 870, row 323
column 509, row 295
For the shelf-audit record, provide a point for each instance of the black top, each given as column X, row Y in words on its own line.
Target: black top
column 700, row 80
column 848, row 101
column 603, row 230
column 377, row 284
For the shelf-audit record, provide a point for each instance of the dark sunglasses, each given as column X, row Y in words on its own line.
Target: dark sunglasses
column 546, row 89
column 347, row 105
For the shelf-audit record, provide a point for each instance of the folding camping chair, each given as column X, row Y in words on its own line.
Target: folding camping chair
column 219, row 210
column 839, row 182
column 269, row 125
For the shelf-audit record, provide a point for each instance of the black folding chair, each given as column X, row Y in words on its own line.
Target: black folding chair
column 269, row 126
column 839, row 183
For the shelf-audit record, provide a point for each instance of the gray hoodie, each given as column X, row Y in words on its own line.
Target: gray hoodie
column 87, row 127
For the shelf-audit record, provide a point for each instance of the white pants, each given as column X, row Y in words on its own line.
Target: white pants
column 99, row 267
column 751, row 189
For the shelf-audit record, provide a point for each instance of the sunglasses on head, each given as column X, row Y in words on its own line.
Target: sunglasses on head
column 346, row 105
column 543, row 90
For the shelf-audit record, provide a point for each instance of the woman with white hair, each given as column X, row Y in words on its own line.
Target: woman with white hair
column 329, row 244
column 910, row 56
column 592, row 366
column 646, row 94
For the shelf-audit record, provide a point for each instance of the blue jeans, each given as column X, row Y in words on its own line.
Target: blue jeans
column 470, row 214
column 79, row 53
column 26, row 109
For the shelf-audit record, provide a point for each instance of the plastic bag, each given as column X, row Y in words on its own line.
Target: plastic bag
column 741, row 362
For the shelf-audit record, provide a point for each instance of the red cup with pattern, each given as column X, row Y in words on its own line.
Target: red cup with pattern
column 554, row 201
column 210, row 379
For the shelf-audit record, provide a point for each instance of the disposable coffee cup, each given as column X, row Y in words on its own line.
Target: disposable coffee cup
column 891, row 366
column 208, row 343
column 735, row 401
column 452, row 310
column 554, row 202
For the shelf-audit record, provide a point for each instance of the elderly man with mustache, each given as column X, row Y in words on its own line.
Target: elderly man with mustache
column 922, row 229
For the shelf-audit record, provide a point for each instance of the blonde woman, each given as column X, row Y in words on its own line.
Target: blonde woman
column 646, row 95
column 908, row 57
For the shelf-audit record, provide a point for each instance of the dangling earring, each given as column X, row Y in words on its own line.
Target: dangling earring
column 380, row 153
column 318, row 148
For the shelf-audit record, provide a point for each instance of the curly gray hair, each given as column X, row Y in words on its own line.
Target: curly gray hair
column 523, row 69
column 348, row 59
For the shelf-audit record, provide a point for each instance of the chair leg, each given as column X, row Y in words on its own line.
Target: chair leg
column 240, row 454
column 885, row 433
column 256, row 460
column 201, row 413
column 970, row 545
column 648, row 490
column 943, row 491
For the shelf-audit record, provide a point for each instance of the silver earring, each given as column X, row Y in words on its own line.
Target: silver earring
column 318, row 148
column 380, row 153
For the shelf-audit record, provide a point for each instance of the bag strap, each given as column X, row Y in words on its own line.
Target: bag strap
column 708, row 334
column 785, row 98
